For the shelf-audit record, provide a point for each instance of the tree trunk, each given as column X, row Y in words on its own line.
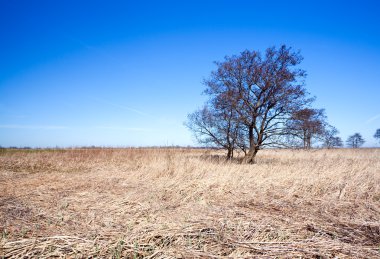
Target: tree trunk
column 304, row 140
column 309, row 140
column 250, row 157
column 230, row 153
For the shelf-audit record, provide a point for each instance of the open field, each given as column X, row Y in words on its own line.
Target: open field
column 160, row 203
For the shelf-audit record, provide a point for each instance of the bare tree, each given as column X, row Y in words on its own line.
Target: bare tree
column 263, row 90
column 330, row 138
column 307, row 124
column 355, row 141
column 377, row 135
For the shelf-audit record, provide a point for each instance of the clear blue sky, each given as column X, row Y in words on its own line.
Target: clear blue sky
column 127, row 73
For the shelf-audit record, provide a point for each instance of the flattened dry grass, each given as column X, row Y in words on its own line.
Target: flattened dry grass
column 181, row 203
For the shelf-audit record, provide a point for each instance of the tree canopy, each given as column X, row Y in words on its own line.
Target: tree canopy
column 377, row 135
column 355, row 141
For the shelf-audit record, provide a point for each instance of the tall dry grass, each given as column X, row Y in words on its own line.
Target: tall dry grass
column 189, row 203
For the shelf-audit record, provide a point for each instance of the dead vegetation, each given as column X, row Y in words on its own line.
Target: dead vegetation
column 174, row 203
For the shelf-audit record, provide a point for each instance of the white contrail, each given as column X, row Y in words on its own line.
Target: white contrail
column 373, row 118
column 121, row 106
column 124, row 128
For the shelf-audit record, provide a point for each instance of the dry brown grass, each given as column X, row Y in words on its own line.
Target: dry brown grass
column 162, row 203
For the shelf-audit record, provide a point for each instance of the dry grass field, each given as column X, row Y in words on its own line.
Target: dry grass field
column 180, row 203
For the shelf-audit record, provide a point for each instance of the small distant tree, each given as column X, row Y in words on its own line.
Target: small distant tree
column 306, row 125
column 355, row 141
column 330, row 138
column 377, row 135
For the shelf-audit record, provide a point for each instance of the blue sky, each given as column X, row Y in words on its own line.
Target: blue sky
column 127, row 73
